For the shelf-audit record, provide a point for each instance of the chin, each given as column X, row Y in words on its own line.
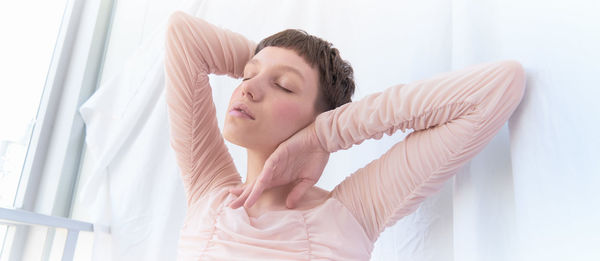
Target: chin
column 231, row 133
column 245, row 141
column 248, row 141
column 233, row 138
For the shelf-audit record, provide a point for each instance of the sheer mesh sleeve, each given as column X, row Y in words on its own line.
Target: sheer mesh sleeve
column 194, row 49
column 453, row 114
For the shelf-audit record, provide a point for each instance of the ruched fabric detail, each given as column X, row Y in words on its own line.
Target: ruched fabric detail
column 453, row 115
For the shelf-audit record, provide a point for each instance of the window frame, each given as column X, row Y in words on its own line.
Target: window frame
column 55, row 152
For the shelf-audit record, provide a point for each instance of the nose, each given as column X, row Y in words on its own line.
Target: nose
column 245, row 92
column 250, row 88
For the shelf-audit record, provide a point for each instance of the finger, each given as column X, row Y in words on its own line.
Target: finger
column 236, row 190
column 258, row 189
column 240, row 200
column 263, row 182
column 297, row 192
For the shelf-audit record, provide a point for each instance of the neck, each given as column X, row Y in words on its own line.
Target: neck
column 275, row 196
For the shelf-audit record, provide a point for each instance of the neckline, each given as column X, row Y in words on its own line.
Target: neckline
column 230, row 198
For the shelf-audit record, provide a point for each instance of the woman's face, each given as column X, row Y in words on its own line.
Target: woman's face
column 279, row 90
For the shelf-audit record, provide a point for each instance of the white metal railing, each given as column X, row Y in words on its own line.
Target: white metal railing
column 18, row 216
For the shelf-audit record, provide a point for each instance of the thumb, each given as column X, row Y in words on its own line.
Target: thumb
column 297, row 192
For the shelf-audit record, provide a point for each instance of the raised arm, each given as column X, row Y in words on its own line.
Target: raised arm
column 194, row 49
column 454, row 115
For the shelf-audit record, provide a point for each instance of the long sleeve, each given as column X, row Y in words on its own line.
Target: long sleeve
column 194, row 49
column 453, row 115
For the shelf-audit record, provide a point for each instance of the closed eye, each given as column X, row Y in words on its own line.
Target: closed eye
column 286, row 90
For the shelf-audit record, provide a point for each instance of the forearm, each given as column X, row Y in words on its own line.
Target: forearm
column 194, row 49
column 420, row 104
column 195, row 46
column 454, row 116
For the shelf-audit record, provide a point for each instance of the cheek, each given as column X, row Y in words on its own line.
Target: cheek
column 288, row 114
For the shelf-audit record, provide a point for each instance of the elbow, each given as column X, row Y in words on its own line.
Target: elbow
column 179, row 22
column 175, row 20
column 515, row 68
column 515, row 73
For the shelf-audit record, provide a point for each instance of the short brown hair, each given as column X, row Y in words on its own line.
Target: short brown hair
column 336, row 76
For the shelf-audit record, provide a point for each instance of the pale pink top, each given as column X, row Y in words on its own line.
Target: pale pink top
column 454, row 115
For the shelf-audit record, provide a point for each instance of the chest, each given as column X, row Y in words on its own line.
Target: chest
column 325, row 232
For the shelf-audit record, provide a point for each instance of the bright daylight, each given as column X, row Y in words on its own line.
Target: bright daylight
column 433, row 130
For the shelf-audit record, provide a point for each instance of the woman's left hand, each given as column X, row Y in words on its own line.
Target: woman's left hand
column 300, row 159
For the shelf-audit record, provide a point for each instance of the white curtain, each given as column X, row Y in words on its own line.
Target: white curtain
column 529, row 195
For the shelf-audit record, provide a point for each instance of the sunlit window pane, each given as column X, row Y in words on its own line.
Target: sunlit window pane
column 29, row 31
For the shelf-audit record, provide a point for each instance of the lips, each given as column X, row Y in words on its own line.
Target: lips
column 243, row 108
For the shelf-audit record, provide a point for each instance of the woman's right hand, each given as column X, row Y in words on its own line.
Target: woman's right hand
column 300, row 159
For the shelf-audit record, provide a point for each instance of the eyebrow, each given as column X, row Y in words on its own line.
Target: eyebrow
column 285, row 68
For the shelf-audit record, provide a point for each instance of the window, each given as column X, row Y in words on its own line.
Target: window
column 30, row 37
column 26, row 53
column 52, row 54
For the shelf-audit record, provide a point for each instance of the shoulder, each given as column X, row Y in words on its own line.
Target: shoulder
column 320, row 192
column 317, row 193
column 314, row 197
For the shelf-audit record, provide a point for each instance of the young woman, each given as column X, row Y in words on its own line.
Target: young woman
column 292, row 110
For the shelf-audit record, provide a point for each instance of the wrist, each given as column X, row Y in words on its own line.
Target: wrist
column 314, row 139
